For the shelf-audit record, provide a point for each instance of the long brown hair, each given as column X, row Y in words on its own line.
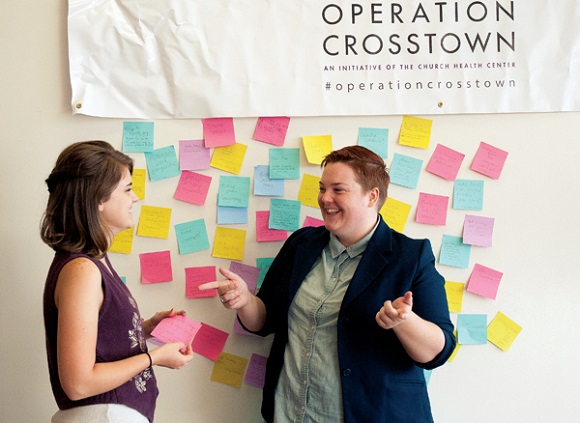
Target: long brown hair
column 369, row 168
column 85, row 174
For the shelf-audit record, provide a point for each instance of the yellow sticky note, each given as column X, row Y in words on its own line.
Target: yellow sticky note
column 123, row 242
column 309, row 188
column 395, row 213
column 154, row 222
column 502, row 331
column 455, row 350
column 229, row 243
column 415, row 132
column 317, row 147
column 139, row 177
column 229, row 158
column 454, row 292
column 229, row 369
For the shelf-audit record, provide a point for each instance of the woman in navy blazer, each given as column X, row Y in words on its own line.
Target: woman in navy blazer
column 393, row 320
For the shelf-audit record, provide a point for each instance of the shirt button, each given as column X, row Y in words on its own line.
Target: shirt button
column 346, row 372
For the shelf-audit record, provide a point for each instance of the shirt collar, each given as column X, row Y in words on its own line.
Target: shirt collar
column 336, row 248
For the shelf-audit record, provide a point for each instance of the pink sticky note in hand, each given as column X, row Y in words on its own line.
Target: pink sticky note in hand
column 175, row 329
column 489, row 160
column 484, row 281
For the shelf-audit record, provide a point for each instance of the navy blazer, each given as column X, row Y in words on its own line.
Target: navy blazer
column 380, row 382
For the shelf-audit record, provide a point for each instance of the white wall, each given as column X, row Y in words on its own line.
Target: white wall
column 536, row 204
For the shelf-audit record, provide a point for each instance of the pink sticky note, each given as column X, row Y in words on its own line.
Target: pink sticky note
column 478, row 230
column 484, row 281
column 265, row 234
column 195, row 276
column 445, row 162
column 193, row 155
column 192, row 187
column 209, row 341
column 218, row 132
column 175, row 329
column 489, row 160
column 432, row 209
column 272, row 130
column 256, row 372
column 156, row 267
column 312, row 221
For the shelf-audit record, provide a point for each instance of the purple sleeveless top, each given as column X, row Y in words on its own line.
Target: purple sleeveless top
column 120, row 335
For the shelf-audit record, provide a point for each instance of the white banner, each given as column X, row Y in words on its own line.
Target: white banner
column 154, row 59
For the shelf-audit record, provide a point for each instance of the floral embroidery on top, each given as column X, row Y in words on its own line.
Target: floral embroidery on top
column 137, row 339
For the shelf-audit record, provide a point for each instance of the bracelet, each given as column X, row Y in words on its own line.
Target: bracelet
column 150, row 361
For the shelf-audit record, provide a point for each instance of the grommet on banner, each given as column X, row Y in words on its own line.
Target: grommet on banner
column 79, row 105
column 440, row 104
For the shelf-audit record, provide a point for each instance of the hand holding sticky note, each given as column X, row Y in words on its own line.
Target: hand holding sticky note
column 175, row 329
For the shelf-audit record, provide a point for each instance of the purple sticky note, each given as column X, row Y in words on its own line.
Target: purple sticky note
column 478, row 230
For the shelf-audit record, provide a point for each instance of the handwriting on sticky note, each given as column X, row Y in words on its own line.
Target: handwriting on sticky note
column 415, row 132
column 192, row 236
column 234, row 191
column 209, row 341
column 395, row 213
column 192, row 188
column 445, row 162
column 271, row 130
column 229, row 243
column 454, row 252
column 484, row 281
column 123, row 242
column 472, row 329
column 467, row 195
column 193, row 155
column 489, row 160
column 249, row 274
column 195, row 276
column 256, row 373
column 229, row 159
column 478, row 230
column 154, row 222
column 432, row 209
column 138, row 179
column 405, row 170
column 138, row 137
column 284, row 163
column 309, row 189
column 263, row 185
column 317, row 147
column 263, row 232
column 218, row 132
column 162, row 163
column 156, row 267
column 175, row 329
column 375, row 139
column 229, row 369
column 284, row 214
column 502, row 331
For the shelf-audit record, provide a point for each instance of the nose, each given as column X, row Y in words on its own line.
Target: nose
column 135, row 197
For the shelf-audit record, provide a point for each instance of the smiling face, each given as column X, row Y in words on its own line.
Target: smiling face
column 348, row 211
column 115, row 213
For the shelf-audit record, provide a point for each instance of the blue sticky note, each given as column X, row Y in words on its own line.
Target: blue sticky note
column 284, row 214
column 284, row 163
column 137, row 137
column 162, row 163
column 427, row 375
column 375, row 139
column 263, row 263
column 472, row 329
column 263, row 185
column 405, row 170
column 467, row 195
column 454, row 252
column 231, row 215
column 191, row 236
column 234, row 191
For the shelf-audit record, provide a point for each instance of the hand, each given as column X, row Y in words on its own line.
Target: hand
column 233, row 291
column 173, row 356
column 396, row 312
column 150, row 324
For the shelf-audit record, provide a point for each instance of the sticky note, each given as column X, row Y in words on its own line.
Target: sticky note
column 154, row 222
column 263, row 263
column 502, row 331
column 256, row 373
column 193, row 155
column 229, row 243
column 195, row 276
column 156, row 267
column 467, row 194
column 395, row 213
column 249, row 274
column 232, row 215
column 454, row 252
column 263, row 185
column 192, row 187
column 162, row 163
column 432, row 209
column 484, row 281
column 454, row 291
column 271, row 130
column 472, row 329
column 405, row 170
column 229, row 159
column 445, row 162
column 218, row 132
column 415, row 132
column 309, row 189
column 138, row 137
column 123, row 242
column 234, row 191
column 209, row 341
column 455, row 350
column 312, row 221
column 138, row 179
column 478, row 230
column 192, row 236
column 229, row 369
column 177, row 328
column 284, row 163
column 263, row 232
column 375, row 139
column 317, row 147
column 284, row 214
column 489, row 160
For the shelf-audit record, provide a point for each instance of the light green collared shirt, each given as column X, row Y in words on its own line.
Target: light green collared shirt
column 309, row 389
